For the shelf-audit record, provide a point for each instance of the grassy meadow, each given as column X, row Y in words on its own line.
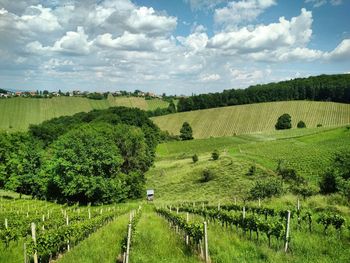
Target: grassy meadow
column 252, row 118
column 18, row 113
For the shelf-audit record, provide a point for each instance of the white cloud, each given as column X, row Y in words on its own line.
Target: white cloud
column 72, row 43
column 318, row 3
column 239, row 12
column 204, row 4
column 341, row 52
column 209, row 77
column 296, row 32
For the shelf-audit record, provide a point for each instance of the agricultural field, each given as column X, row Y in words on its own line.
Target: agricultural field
column 18, row 113
column 252, row 118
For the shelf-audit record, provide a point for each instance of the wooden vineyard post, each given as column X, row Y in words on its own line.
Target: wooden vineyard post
column 35, row 256
column 259, row 202
column 298, row 209
column 187, row 217
column 89, row 214
column 177, row 227
column 287, row 232
column 6, row 223
column 67, row 221
column 206, row 252
column 219, row 206
column 25, row 252
column 243, row 212
column 128, row 244
column 235, row 200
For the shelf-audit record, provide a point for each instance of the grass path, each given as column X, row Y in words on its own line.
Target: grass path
column 155, row 242
column 103, row 246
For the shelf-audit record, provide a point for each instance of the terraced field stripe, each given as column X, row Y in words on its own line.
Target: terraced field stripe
column 102, row 246
column 155, row 242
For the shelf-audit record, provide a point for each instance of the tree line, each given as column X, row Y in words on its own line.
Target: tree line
column 318, row 88
column 98, row 157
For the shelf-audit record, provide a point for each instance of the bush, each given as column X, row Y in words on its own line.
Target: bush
column 215, row 155
column 186, row 132
column 290, row 175
column 301, row 124
column 251, row 170
column 304, row 190
column 284, row 122
column 207, row 175
column 195, row 158
column 266, row 188
column 328, row 183
column 319, row 125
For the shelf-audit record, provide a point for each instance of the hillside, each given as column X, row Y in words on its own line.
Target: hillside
column 18, row 113
column 252, row 118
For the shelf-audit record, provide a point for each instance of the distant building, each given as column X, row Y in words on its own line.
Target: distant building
column 150, row 195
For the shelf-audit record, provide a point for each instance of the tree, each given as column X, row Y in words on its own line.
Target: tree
column 301, row 124
column 171, row 107
column 266, row 188
column 207, row 175
column 186, row 132
column 195, row 158
column 85, row 165
column 284, row 122
column 328, row 183
column 215, row 155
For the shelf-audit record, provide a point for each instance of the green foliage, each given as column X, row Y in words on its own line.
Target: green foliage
column 318, row 88
column 207, row 175
column 290, row 175
column 301, row 124
column 304, row 190
column 195, row 158
column 97, row 96
column 186, row 132
column 251, row 170
column 319, row 125
column 215, row 155
column 284, row 122
column 328, row 183
column 20, row 160
column 266, row 188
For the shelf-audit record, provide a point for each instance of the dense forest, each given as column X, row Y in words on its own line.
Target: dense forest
column 319, row 88
column 98, row 157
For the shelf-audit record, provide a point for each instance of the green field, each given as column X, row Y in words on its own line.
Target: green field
column 308, row 151
column 19, row 113
column 252, row 118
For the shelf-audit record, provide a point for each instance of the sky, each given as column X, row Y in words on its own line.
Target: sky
column 169, row 46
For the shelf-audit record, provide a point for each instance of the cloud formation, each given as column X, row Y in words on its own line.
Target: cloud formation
column 111, row 44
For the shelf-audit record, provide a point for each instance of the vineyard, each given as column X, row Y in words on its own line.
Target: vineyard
column 18, row 113
column 44, row 230
column 252, row 118
column 282, row 231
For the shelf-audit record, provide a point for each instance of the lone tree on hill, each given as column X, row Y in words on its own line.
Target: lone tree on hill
column 186, row 132
column 301, row 124
column 284, row 122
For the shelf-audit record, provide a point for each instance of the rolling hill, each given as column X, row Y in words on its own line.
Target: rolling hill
column 252, row 118
column 18, row 113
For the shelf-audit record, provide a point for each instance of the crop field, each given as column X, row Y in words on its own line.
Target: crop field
column 18, row 113
column 252, row 118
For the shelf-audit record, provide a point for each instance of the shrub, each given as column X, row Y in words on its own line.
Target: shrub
column 207, row 175
column 304, row 190
column 251, row 170
column 266, row 188
column 215, row 155
column 284, row 122
column 195, row 158
column 301, row 124
column 290, row 175
column 319, row 125
column 328, row 183
column 186, row 132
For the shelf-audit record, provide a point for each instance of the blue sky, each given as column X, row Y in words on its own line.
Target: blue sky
column 176, row 47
